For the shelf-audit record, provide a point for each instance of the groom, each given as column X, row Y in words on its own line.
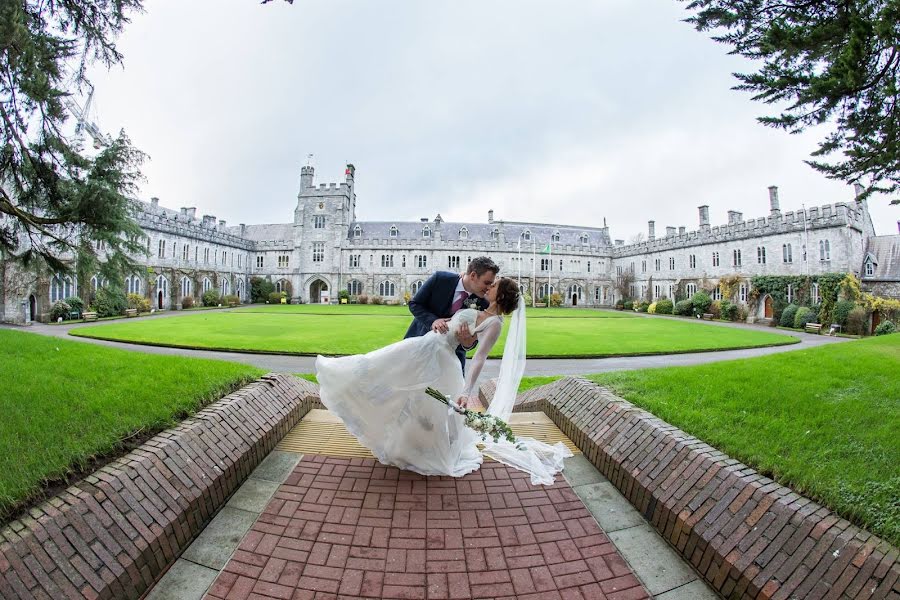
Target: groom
column 445, row 293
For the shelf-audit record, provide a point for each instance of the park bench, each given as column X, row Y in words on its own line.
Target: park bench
column 89, row 316
column 131, row 312
column 708, row 316
column 813, row 328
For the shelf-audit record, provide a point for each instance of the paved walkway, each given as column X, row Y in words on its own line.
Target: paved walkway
column 557, row 366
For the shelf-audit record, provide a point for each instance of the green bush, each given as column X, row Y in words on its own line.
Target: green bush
column 138, row 302
column 75, row 303
column 211, row 298
column 275, row 297
column 788, row 315
column 628, row 305
column 260, row 289
column 231, row 300
column 857, row 321
column 643, row 307
column 701, row 302
column 684, row 308
column 652, row 308
column 344, row 295
column 620, row 305
column 842, row 311
column 555, row 299
column 61, row 310
column 664, row 307
column 715, row 309
column 109, row 303
column 885, row 327
column 730, row 311
column 804, row 315
column 187, row 302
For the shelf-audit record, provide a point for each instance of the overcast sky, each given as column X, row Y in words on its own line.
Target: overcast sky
column 560, row 112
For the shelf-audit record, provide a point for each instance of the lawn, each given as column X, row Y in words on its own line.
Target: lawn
column 66, row 403
column 353, row 329
column 824, row 421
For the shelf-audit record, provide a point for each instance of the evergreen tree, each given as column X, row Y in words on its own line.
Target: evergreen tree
column 833, row 61
column 59, row 206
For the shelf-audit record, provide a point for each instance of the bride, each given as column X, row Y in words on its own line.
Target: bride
column 380, row 396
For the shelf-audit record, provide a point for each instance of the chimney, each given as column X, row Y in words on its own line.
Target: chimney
column 424, row 219
column 306, row 177
column 651, row 230
column 620, row 242
column 773, row 200
column 704, row 217
column 243, row 229
column 681, row 230
column 221, row 225
column 154, row 203
column 491, row 216
column 734, row 217
column 670, row 231
column 190, row 212
column 209, row 221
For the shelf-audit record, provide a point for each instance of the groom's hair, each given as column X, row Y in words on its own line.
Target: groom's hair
column 481, row 265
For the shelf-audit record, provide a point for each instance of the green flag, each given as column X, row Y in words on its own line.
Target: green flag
column 546, row 249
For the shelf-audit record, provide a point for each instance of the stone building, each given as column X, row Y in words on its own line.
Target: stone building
column 326, row 249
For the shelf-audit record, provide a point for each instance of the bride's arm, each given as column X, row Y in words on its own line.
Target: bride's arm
column 486, row 338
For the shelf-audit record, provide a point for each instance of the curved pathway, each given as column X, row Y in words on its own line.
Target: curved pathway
column 534, row 367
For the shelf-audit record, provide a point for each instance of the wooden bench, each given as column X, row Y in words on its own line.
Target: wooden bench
column 131, row 312
column 88, row 316
column 813, row 328
column 708, row 316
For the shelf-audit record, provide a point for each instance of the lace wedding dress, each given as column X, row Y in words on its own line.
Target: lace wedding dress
column 380, row 397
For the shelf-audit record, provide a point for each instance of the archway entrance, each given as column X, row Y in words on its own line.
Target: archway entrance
column 159, row 301
column 32, row 307
column 318, row 292
column 574, row 299
column 769, row 313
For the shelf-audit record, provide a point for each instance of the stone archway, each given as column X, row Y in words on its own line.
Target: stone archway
column 32, row 308
column 768, row 311
column 574, row 299
column 316, row 289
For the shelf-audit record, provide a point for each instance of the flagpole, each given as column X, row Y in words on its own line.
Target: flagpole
column 550, row 273
column 533, row 273
column 519, row 259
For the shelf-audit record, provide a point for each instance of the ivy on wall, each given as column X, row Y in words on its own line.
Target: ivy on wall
column 776, row 286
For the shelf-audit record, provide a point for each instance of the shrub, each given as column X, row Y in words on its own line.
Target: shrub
column 730, row 311
column 701, row 302
column 664, row 307
column 555, row 299
column 628, row 305
column 75, row 303
column 231, row 300
column 211, row 298
column 620, row 305
column 526, row 296
column 684, row 308
column 187, row 302
column 344, row 295
column 885, row 327
column 652, row 308
column 61, row 310
column 260, row 289
column 715, row 309
column 842, row 311
column 274, row 297
column 788, row 314
column 138, row 302
column 742, row 313
column 109, row 303
column 643, row 307
column 804, row 315
column 362, row 299
column 377, row 300
column 857, row 321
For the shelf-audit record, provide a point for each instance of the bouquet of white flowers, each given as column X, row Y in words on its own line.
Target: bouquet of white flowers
column 488, row 426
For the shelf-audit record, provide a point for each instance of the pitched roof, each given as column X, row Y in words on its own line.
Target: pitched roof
column 884, row 252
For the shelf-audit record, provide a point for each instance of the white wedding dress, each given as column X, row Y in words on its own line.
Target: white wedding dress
column 380, row 397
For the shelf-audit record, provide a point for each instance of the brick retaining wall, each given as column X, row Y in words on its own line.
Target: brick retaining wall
column 114, row 533
column 747, row 536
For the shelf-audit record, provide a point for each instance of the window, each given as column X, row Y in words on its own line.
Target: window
column 133, row 285
column 387, row 260
column 185, row 287
column 691, row 289
column 824, row 250
column 671, row 263
column 671, row 291
column 453, row 262
column 319, row 222
column 162, row 249
column 174, row 253
column 226, row 287
column 742, row 292
column 318, row 254
column 560, row 266
column 545, row 290
column 576, row 291
column 786, row 254
column 259, row 262
column 464, row 233
column 545, row 264
column 589, row 266
column 692, row 261
column 584, row 238
column 240, row 256
column 403, row 261
column 354, row 260
column 870, row 268
column 224, row 258
column 736, row 258
column 716, row 293
column 354, row 288
column 357, row 231
column 790, row 293
column 643, row 266
column 657, row 292
column 495, row 234
column 426, row 232
column 803, row 249
column 207, row 284
column 761, row 255
column 196, row 253
column 393, row 231
column 162, row 285
column 386, row 288
column 100, row 245
column 415, row 287
column 206, row 255
column 61, row 288
column 555, row 237
column 715, row 258
column 658, row 263
column 421, row 261
column 185, row 253
column 526, row 235
column 284, row 261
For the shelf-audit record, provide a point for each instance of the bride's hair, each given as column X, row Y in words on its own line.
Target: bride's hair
column 507, row 295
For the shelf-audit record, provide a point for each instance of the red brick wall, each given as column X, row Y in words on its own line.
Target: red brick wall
column 114, row 533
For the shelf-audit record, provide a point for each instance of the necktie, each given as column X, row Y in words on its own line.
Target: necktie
column 457, row 304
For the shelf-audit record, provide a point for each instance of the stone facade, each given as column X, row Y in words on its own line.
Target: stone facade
column 325, row 249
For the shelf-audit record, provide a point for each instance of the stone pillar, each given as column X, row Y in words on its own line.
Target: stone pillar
column 773, row 200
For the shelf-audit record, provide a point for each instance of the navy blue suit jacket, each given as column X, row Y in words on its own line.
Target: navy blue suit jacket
column 432, row 302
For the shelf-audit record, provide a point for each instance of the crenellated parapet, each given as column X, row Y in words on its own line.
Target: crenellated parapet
column 184, row 224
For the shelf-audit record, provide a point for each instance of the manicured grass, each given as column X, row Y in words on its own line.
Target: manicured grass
column 824, row 421
column 64, row 403
column 316, row 329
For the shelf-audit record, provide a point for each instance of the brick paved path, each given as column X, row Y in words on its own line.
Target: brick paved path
column 351, row 528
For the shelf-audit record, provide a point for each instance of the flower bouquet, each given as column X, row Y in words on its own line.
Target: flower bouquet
column 488, row 426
